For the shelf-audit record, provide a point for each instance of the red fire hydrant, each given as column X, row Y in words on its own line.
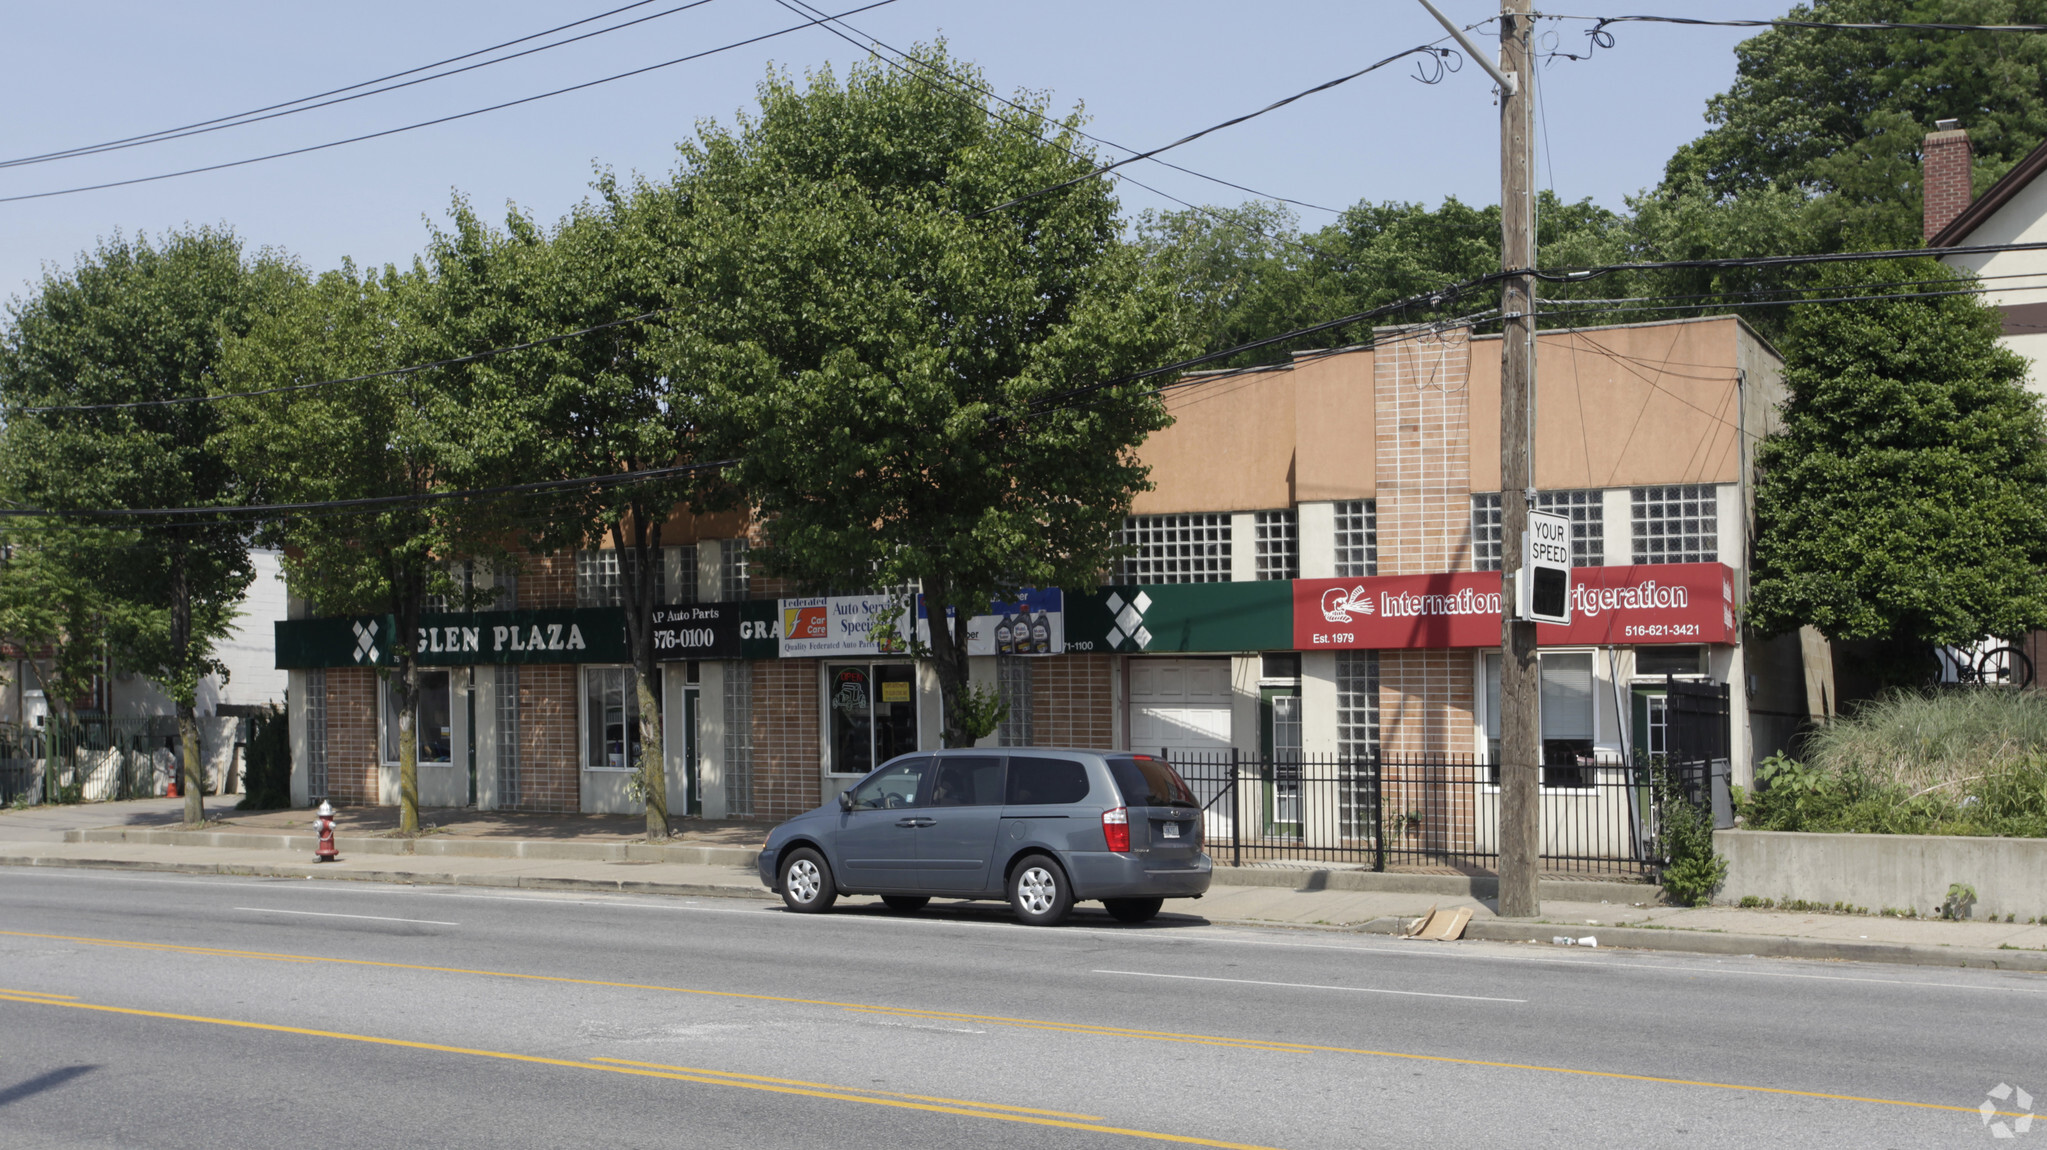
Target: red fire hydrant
column 326, row 851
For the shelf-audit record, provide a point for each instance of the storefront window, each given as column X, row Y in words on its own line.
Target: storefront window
column 435, row 721
column 611, row 717
column 1567, row 717
column 873, row 714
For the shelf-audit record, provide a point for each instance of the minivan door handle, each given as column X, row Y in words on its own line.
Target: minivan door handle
column 914, row 822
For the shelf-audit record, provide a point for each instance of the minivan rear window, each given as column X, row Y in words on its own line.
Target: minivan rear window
column 1034, row 781
column 1149, row 782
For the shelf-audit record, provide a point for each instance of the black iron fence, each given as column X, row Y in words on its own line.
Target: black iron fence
column 91, row 761
column 1433, row 812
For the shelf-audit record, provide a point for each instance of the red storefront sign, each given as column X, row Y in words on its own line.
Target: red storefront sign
column 1610, row 606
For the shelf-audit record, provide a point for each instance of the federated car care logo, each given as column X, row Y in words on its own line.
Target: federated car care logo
column 1129, row 625
column 1338, row 604
column 366, row 642
column 2003, row 1101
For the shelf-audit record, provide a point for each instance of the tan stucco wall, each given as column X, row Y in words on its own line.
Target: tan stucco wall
column 1616, row 407
column 1231, row 446
column 1619, row 406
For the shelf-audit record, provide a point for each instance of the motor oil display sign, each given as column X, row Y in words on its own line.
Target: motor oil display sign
column 1646, row 603
column 1034, row 623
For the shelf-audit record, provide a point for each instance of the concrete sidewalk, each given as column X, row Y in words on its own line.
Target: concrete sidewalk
column 503, row 851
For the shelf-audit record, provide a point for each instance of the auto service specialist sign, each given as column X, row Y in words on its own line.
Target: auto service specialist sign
column 1610, row 606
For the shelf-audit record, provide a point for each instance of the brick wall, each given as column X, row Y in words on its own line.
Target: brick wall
column 549, row 776
column 1426, row 708
column 1073, row 701
column 548, row 581
column 1423, row 461
column 352, row 751
column 785, row 750
column 1946, row 174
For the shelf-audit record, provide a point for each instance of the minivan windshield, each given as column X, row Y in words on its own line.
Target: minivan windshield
column 1149, row 782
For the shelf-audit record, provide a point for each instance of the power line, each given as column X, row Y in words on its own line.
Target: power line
column 1833, row 25
column 440, row 119
column 253, row 118
column 1232, row 122
column 874, row 42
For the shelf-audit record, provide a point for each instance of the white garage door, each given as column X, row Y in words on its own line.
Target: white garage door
column 1179, row 705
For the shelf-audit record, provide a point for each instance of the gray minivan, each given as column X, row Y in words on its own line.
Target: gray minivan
column 1042, row 827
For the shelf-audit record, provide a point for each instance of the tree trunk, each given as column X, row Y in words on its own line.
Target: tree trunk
column 185, row 688
column 195, row 775
column 653, row 774
column 408, row 745
column 948, row 658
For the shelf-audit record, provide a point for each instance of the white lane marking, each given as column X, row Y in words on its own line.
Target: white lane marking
column 329, row 914
column 1312, row 986
column 1482, row 952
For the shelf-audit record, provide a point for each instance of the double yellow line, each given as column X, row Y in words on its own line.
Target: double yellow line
column 928, row 1103
column 1271, row 1045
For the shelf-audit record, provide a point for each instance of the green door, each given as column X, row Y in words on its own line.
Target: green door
column 1279, row 746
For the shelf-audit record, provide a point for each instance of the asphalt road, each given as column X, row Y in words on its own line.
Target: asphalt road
column 155, row 1010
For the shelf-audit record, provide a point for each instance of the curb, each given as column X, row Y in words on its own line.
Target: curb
column 430, row 846
column 1744, row 945
column 316, row 871
column 1307, row 880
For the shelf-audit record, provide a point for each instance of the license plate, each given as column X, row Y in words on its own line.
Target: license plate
column 1172, row 830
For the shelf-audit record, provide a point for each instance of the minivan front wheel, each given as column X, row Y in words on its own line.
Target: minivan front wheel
column 1038, row 892
column 807, row 886
column 1133, row 909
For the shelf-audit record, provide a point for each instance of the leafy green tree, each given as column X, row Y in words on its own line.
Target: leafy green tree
column 1905, row 498
column 896, row 361
column 1839, row 115
column 1247, row 273
column 600, row 404
column 138, row 322
column 403, row 440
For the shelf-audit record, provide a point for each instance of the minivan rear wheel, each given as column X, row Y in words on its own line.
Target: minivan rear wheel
column 1133, row 909
column 1038, row 891
column 807, row 886
column 906, row 903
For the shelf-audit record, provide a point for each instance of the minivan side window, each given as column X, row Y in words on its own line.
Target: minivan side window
column 891, row 787
column 1035, row 781
column 967, row 781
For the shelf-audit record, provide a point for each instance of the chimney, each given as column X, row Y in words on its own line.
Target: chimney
column 1946, row 170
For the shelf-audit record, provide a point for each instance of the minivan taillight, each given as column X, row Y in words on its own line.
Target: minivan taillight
column 1116, row 828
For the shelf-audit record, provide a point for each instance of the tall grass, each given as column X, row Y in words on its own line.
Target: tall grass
column 1962, row 762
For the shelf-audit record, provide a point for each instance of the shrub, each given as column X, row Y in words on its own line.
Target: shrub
column 1692, row 870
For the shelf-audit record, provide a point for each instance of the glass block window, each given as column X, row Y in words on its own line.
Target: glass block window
column 1586, row 510
column 316, row 734
column 1485, row 532
column 508, row 735
column 1676, row 524
column 738, row 740
column 1279, row 545
column 1177, row 548
column 598, row 582
column 1013, row 680
column 1357, row 704
column 1357, row 738
column 1357, row 538
column 733, row 580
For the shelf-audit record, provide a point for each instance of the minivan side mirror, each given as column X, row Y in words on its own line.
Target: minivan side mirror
column 845, row 800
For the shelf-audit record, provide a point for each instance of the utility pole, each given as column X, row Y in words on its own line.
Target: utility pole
column 1520, row 678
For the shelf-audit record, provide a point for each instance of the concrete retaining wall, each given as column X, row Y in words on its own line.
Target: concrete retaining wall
column 1877, row 871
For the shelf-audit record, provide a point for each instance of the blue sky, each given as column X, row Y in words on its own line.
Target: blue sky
column 82, row 72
